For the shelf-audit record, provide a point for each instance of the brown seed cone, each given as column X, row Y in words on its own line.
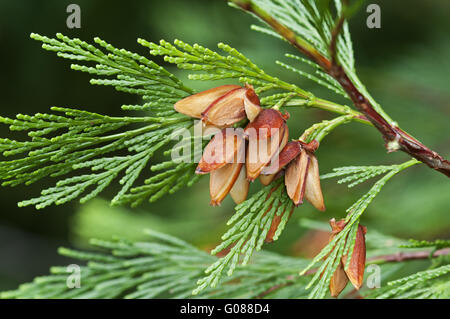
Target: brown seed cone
column 355, row 270
column 302, row 173
column 313, row 191
column 225, row 147
column 261, row 152
column 239, row 191
column 268, row 121
column 287, row 154
column 252, row 104
column 227, row 109
column 338, row 281
column 222, row 180
column 194, row 105
column 295, row 178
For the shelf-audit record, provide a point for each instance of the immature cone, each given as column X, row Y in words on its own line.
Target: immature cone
column 267, row 135
column 355, row 271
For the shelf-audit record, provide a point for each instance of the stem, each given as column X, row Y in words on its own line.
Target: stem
column 329, row 106
column 319, row 130
column 382, row 259
column 402, row 256
column 395, row 138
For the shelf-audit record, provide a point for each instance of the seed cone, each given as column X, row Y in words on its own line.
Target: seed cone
column 355, row 270
column 269, row 152
column 287, row 154
column 239, row 191
column 262, row 153
column 268, row 121
column 338, row 281
column 194, row 105
column 267, row 135
column 302, row 173
column 227, row 109
column 222, row 106
column 295, row 178
column 266, row 152
column 221, row 150
column 222, row 180
column 223, row 159
column 252, row 104
column 313, row 191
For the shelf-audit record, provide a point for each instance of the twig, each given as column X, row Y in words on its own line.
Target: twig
column 273, row 288
column 395, row 138
column 398, row 257
column 405, row 256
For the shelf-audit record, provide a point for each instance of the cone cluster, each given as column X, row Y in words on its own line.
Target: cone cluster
column 236, row 156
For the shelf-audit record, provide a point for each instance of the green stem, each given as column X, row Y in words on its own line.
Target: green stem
column 328, row 106
column 319, row 130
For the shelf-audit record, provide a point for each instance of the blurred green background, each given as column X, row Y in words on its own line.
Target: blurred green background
column 405, row 65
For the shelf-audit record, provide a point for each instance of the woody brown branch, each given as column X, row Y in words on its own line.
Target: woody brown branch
column 397, row 257
column 395, row 138
column 405, row 256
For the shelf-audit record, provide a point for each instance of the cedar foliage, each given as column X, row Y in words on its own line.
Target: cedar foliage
column 85, row 152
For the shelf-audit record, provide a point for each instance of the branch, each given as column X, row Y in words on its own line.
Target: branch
column 397, row 257
column 276, row 287
column 395, row 138
column 402, row 256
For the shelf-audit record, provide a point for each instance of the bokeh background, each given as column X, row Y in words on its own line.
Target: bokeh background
column 405, row 65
